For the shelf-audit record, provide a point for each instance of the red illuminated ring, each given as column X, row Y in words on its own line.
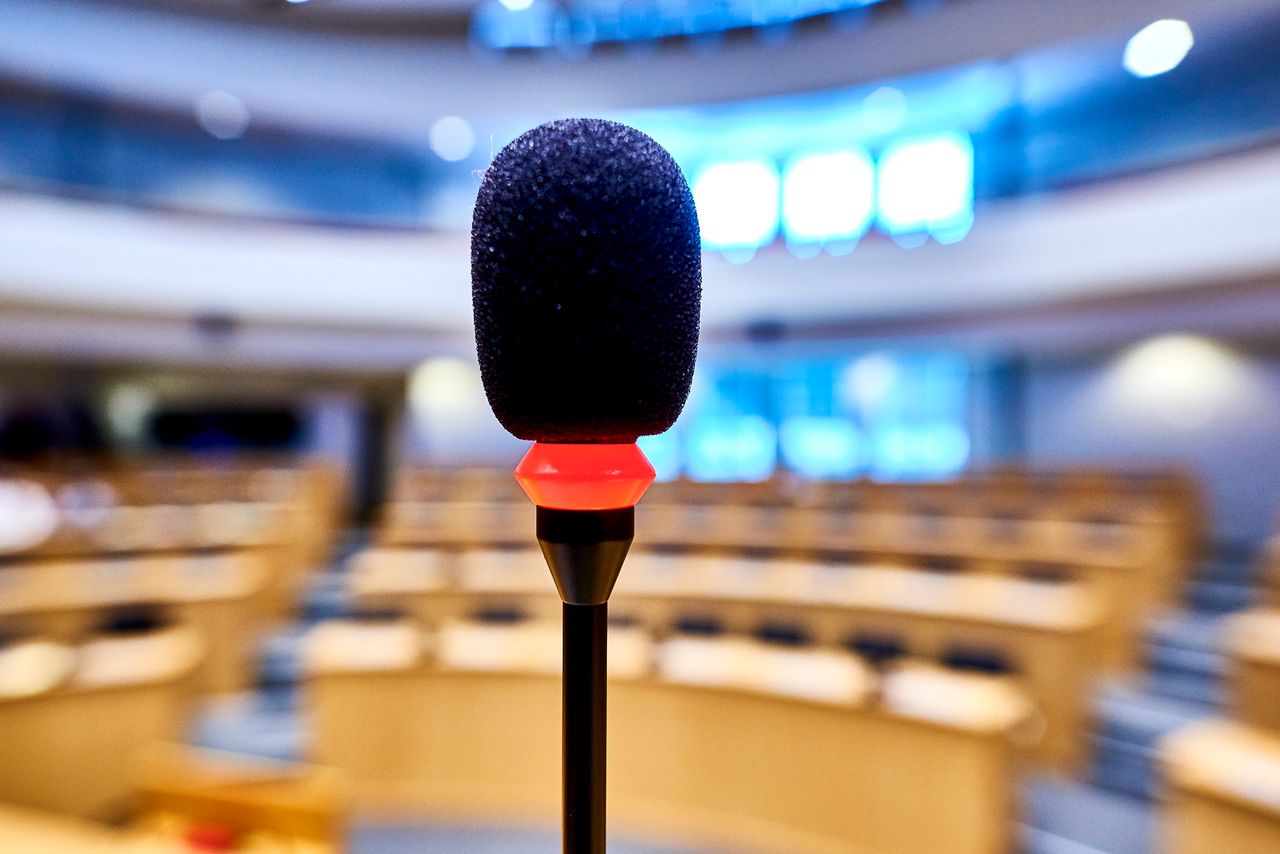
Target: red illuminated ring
column 584, row 477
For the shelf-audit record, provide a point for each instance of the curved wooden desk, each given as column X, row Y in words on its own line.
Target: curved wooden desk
column 278, row 809
column 1134, row 566
column 1050, row 633
column 72, row 749
column 1222, row 789
column 23, row 830
column 748, row 771
column 1253, row 677
column 215, row 592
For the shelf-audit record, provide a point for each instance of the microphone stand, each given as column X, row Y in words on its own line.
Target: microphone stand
column 586, row 496
column 585, row 550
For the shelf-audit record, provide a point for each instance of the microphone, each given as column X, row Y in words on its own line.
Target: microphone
column 586, row 283
column 586, row 279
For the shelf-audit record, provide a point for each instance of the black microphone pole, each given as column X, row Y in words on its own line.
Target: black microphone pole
column 585, row 550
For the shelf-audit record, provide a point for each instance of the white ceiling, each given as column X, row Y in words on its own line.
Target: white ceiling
column 1210, row 223
column 104, row 281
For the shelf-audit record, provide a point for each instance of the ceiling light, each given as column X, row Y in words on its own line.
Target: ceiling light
column 1158, row 47
column 925, row 186
column 222, row 114
column 737, row 205
column 828, row 197
column 452, row 138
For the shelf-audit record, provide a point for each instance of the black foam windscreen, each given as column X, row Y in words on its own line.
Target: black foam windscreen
column 586, row 282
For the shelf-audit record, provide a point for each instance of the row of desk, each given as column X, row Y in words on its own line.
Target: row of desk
column 1133, row 568
column 290, row 507
column 1222, row 775
column 1049, row 633
column 220, row 594
column 183, row 801
column 997, row 505
column 73, row 728
column 1046, row 539
column 1168, row 493
column 225, row 549
column 724, row 764
column 222, row 552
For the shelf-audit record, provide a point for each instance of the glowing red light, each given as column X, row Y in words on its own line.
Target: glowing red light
column 584, row 477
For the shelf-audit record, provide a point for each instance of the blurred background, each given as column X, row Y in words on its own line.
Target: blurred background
column 960, row 545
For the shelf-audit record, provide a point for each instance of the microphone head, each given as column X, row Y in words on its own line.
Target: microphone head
column 586, row 284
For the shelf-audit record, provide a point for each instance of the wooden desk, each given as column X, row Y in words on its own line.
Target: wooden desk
column 213, row 592
column 277, row 532
column 747, row 771
column 1269, row 573
column 291, row 808
column 1050, row 636
column 284, row 809
column 160, row 527
column 26, row 831
column 1223, row 790
column 787, row 528
column 456, row 523
column 1050, row 633
column 1253, row 681
column 290, row 506
column 1135, row 566
column 72, row 750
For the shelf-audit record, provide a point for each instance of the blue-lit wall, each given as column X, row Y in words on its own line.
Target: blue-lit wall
column 818, row 172
column 82, row 144
column 889, row 415
column 573, row 27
